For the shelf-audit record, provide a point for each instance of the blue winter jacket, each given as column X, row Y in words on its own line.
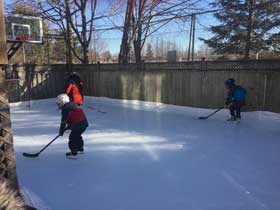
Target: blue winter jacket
column 236, row 94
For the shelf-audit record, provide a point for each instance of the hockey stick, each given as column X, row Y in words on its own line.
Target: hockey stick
column 37, row 154
column 206, row 117
column 94, row 109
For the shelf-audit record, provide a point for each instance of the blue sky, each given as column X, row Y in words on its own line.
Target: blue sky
column 175, row 33
column 178, row 33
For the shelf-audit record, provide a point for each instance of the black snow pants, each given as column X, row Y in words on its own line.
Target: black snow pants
column 76, row 142
column 235, row 108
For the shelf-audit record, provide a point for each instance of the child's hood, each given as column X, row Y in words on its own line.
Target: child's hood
column 70, row 106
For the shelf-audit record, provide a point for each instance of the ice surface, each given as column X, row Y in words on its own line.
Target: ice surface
column 33, row 200
column 148, row 156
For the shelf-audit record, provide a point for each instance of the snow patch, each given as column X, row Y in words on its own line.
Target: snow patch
column 32, row 199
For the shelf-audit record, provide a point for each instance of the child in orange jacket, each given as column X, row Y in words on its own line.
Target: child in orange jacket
column 75, row 89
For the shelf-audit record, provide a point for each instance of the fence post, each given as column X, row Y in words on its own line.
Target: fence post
column 7, row 156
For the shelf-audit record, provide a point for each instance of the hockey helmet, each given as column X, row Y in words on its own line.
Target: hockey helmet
column 62, row 99
column 230, row 82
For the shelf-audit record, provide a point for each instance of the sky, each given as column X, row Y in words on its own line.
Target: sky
column 176, row 33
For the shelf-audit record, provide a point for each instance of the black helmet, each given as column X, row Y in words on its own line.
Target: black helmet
column 230, row 82
column 74, row 76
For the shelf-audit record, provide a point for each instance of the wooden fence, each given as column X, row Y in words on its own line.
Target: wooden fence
column 196, row 84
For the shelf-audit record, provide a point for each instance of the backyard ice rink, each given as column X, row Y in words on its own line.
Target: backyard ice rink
column 149, row 156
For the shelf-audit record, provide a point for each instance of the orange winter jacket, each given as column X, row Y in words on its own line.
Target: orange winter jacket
column 73, row 92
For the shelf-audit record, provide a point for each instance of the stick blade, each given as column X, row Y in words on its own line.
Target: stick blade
column 30, row 155
column 202, row 118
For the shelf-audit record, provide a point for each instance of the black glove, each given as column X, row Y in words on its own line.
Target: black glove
column 62, row 129
column 228, row 102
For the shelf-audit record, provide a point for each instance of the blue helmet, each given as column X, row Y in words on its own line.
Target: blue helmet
column 230, row 82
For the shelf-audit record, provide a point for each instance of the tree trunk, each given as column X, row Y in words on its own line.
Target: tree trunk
column 85, row 45
column 137, row 46
column 85, row 54
column 125, row 45
column 137, row 51
column 68, row 37
column 3, row 46
column 248, row 44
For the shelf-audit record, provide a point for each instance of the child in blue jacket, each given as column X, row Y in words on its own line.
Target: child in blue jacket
column 235, row 99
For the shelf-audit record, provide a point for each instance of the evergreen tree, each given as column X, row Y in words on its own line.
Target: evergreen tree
column 274, row 42
column 149, row 53
column 246, row 26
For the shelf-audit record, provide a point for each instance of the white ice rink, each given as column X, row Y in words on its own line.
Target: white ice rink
column 149, row 156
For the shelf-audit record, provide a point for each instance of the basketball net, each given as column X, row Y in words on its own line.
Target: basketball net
column 23, row 37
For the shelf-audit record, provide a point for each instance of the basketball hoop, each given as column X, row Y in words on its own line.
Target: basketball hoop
column 28, row 25
column 23, row 37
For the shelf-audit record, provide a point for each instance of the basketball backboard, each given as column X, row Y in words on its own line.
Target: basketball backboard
column 30, row 26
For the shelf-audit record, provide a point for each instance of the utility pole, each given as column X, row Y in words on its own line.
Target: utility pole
column 190, row 38
column 95, row 46
column 193, row 37
column 192, row 32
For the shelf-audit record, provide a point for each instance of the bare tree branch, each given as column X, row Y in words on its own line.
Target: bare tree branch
column 149, row 16
column 80, row 19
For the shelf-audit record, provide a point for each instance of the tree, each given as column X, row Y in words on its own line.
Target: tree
column 106, row 57
column 274, row 42
column 76, row 18
column 126, row 40
column 145, row 17
column 245, row 26
column 157, row 49
column 97, row 47
column 149, row 53
column 58, row 50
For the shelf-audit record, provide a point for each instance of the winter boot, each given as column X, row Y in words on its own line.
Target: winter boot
column 71, row 155
column 81, row 151
column 232, row 119
column 238, row 118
